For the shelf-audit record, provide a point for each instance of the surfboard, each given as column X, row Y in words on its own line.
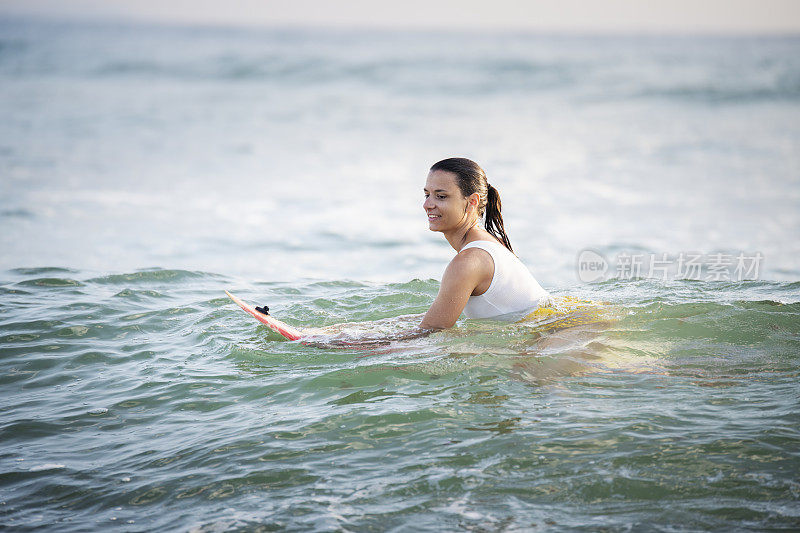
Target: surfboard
column 274, row 324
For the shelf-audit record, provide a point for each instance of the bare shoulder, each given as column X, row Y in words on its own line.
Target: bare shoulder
column 474, row 261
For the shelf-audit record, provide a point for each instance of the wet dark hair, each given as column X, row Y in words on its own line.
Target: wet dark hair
column 471, row 178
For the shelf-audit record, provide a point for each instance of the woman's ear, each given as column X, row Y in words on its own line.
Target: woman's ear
column 473, row 199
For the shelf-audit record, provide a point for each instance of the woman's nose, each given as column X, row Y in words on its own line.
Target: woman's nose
column 427, row 204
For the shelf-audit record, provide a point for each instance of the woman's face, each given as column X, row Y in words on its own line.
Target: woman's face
column 444, row 203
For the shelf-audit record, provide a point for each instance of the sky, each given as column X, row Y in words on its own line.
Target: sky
column 604, row 16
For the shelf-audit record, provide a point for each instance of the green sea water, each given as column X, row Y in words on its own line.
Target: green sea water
column 287, row 166
column 147, row 400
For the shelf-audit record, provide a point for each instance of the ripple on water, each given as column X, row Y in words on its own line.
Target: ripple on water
column 163, row 383
column 42, row 270
column 139, row 295
column 153, row 275
column 50, row 282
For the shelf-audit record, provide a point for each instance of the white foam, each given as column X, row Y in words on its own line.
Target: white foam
column 46, row 466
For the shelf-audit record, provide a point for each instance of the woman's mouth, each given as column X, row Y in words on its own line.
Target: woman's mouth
column 433, row 217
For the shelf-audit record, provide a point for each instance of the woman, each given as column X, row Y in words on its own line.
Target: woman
column 485, row 279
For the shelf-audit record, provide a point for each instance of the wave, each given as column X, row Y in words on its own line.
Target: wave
column 658, row 320
column 610, row 68
column 710, row 93
column 151, row 275
column 474, row 77
column 50, row 282
column 42, row 270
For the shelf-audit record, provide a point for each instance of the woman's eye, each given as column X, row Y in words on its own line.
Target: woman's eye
column 441, row 197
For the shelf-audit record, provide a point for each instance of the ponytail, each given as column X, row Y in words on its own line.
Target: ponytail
column 494, row 220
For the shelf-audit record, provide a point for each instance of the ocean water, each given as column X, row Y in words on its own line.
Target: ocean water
column 146, row 169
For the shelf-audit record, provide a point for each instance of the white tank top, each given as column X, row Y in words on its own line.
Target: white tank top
column 513, row 289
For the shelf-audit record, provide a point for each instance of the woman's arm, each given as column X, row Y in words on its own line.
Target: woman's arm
column 465, row 272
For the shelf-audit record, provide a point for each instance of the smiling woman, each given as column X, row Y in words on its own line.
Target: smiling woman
column 485, row 279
